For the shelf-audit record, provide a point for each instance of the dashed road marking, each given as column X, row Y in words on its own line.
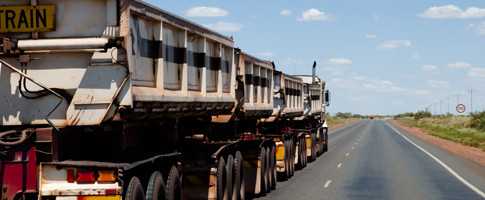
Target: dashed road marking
column 352, row 147
column 449, row 169
column 347, row 154
column 339, row 165
column 327, row 183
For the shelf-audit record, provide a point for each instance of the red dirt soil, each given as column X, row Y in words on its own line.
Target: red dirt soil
column 470, row 153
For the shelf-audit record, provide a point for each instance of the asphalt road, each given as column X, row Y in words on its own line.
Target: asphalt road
column 371, row 160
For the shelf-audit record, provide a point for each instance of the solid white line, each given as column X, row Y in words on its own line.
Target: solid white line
column 327, row 183
column 451, row 171
column 347, row 154
column 339, row 165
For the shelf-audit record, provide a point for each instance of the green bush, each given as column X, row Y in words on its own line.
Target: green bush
column 422, row 114
column 478, row 120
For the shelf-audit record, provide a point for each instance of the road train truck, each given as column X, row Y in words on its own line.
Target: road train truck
column 119, row 99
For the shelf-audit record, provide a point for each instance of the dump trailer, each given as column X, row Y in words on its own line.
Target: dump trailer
column 297, row 124
column 130, row 101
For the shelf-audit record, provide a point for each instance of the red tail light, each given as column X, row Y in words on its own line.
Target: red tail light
column 71, row 176
column 85, row 176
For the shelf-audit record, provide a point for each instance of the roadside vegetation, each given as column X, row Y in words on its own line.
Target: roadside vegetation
column 341, row 119
column 468, row 130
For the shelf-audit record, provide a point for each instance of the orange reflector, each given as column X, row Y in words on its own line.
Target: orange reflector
column 111, row 197
column 280, row 152
column 107, row 176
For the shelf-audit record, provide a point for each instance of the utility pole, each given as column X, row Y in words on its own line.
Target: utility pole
column 471, row 100
column 448, row 99
column 441, row 102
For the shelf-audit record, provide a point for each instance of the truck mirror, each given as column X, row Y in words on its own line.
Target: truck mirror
column 327, row 98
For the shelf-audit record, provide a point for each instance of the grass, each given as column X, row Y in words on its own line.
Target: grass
column 456, row 128
column 336, row 121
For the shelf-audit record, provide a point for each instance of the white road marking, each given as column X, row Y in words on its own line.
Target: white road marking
column 356, row 143
column 347, row 154
column 339, row 165
column 327, row 183
column 449, row 169
column 352, row 147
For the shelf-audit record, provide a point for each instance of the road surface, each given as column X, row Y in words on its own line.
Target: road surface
column 371, row 160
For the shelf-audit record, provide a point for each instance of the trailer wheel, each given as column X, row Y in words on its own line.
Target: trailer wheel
column 301, row 154
column 273, row 168
column 173, row 189
column 229, row 177
column 326, row 140
column 305, row 158
column 292, row 156
column 269, row 172
column 263, row 171
column 314, row 146
column 287, row 159
column 238, row 188
column 134, row 191
column 221, row 178
column 156, row 187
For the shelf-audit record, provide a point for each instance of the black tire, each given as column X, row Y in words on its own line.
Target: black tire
column 229, row 177
column 314, row 149
column 268, row 170
column 304, row 156
column 238, row 187
column 221, row 178
column 325, row 146
column 300, row 154
column 134, row 191
column 273, row 168
column 287, row 158
column 156, row 187
column 173, row 189
column 292, row 161
column 263, row 171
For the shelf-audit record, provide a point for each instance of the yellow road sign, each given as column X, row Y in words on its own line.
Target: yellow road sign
column 27, row 18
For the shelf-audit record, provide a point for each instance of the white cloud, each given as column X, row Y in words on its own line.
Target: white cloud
column 370, row 36
column 438, row 84
column 204, row 11
column 394, row 44
column 227, row 27
column 453, row 12
column 340, row 61
column 285, row 12
column 313, row 14
column 429, row 67
column 477, row 72
column 459, row 65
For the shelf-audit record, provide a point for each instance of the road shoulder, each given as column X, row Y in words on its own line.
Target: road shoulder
column 471, row 153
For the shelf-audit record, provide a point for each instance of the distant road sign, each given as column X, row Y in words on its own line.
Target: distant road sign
column 460, row 108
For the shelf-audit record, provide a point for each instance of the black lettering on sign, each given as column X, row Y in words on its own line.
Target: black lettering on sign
column 23, row 20
column 9, row 18
column 31, row 18
column 41, row 17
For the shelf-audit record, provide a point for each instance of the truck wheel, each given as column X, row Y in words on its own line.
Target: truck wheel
column 263, row 171
column 301, row 153
column 314, row 149
column 221, row 178
column 134, row 191
column 305, row 158
column 238, row 188
column 268, row 170
column 273, row 168
column 292, row 157
column 156, row 187
column 287, row 159
column 173, row 189
column 229, row 177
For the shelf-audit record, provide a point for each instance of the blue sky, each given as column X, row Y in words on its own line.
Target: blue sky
column 377, row 56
